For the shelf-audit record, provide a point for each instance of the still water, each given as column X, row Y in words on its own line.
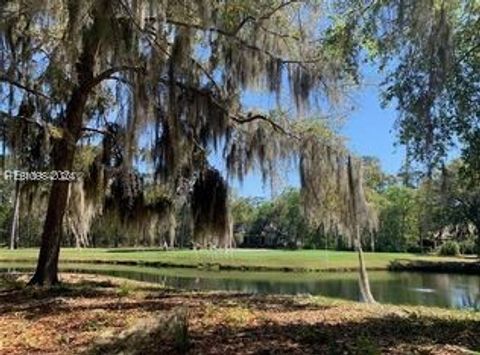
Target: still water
column 414, row 288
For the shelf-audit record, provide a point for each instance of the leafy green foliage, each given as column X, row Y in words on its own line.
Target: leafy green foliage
column 279, row 223
column 398, row 220
column 431, row 53
column 373, row 176
column 450, row 248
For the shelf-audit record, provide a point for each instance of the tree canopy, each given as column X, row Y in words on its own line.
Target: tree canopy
column 430, row 52
column 138, row 94
column 159, row 84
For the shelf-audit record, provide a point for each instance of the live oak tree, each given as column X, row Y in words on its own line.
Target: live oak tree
column 167, row 78
column 430, row 53
column 455, row 197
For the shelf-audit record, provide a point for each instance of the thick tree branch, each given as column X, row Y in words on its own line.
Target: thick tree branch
column 469, row 52
column 245, row 44
column 256, row 117
column 153, row 41
column 6, row 79
column 43, row 124
column 34, row 121
column 107, row 74
column 236, row 117
column 96, row 130
column 234, row 33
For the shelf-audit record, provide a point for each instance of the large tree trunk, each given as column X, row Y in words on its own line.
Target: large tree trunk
column 63, row 157
column 47, row 266
column 64, row 150
column 16, row 217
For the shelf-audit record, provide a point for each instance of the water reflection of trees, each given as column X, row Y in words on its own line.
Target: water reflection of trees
column 444, row 290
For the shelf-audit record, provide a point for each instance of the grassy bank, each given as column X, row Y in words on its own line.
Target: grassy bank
column 98, row 315
column 466, row 266
column 239, row 259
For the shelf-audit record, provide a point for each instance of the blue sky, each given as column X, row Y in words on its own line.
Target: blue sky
column 369, row 130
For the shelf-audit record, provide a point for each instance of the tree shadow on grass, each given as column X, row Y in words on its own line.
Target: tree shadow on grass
column 105, row 295
column 388, row 334
column 275, row 331
column 16, row 297
column 166, row 334
column 242, row 299
column 371, row 335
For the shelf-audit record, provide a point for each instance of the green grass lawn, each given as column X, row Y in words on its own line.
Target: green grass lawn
column 247, row 258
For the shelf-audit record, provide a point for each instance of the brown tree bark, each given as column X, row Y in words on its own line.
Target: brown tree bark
column 64, row 150
column 63, row 156
column 172, row 224
column 16, row 217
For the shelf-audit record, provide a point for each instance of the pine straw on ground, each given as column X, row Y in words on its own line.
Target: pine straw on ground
column 104, row 315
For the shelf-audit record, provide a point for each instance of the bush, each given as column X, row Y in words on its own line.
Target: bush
column 416, row 249
column 468, row 247
column 450, row 248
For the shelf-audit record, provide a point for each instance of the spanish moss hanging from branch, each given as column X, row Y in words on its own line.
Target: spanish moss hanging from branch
column 334, row 198
column 210, row 212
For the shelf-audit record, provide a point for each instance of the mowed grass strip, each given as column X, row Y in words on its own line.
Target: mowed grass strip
column 301, row 260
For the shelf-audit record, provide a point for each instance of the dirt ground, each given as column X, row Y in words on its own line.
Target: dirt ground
column 103, row 315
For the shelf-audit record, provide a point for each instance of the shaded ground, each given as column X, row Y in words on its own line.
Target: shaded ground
column 100, row 315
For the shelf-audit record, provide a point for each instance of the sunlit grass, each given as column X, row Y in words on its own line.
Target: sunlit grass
column 248, row 258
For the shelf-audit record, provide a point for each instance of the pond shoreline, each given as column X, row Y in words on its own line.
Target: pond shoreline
column 202, row 266
column 451, row 267
column 444, row 267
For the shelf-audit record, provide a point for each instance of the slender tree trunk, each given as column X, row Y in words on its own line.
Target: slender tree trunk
column 16, row 212
column 477, row 226
column 421, row 239
column 172, row 225
column 363, row 281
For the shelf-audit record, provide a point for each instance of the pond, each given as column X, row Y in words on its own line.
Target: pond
column 412, row 288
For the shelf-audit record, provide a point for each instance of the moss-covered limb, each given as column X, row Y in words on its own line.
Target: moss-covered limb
column 99, row 313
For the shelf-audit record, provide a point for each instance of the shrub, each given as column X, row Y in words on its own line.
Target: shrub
column 124, row 289
column 468, row 247
column 449, row 248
